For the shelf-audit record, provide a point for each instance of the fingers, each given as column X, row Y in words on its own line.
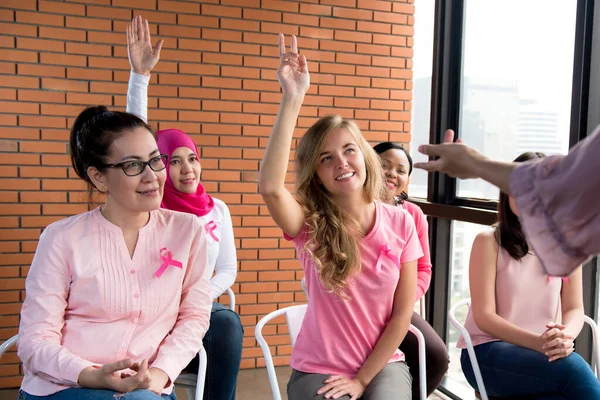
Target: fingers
column 333, row 378
column 116, row 366
column 128, row 34
column 303, row 64
column 139, row 29
column 146, row 38
column 430, row 166
column 281, row 45
column 294, row 44
column 449, row 136
column 430, row 149
column 158, row 47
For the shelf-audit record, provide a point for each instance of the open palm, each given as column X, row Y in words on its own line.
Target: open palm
column 142, row 56
column 293, row 73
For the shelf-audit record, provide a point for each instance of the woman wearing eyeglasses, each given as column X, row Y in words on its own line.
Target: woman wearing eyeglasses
column 117, row 298
column 184, row 192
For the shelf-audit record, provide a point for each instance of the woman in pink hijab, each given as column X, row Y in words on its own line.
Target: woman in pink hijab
column 184, row 192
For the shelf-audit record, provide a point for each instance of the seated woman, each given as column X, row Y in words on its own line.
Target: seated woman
column 397, row 166
column 118, row 299
column 184, row 192
column 359, row 255
column 522, row 321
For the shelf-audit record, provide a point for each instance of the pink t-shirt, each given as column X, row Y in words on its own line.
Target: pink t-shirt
column 337, row 336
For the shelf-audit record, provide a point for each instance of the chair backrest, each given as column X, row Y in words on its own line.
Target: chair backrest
column 294, row 317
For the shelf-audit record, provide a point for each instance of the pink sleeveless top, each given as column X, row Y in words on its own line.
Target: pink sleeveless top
column 525, row 297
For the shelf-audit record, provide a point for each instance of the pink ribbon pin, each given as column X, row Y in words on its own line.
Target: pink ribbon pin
column 386, row 250
column 210, row 229
column 565, row 279
column 167, row 259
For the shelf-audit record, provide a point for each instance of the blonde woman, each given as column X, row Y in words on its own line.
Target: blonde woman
column 359, row 255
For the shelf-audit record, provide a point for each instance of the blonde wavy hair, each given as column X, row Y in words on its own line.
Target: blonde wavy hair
column 333, row 235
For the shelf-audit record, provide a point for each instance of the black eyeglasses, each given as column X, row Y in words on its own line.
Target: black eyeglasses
column 136, row 167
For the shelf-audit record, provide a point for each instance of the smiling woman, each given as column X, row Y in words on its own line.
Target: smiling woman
column 351, row 247
column 100, row 298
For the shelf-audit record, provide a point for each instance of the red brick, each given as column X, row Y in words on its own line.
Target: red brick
column 42, row 121
column 375, row 5
column 178, row 6
column 40, row 44
column 62, row 59
column 19, row 107
column 61, row 8
column 7, row 15
column 353, row 59
column 111, row 13
column 62, row 33
column 403, row 8
column 338, row 23
column 220, row 11
column 64, row 84
column 19, row 29
column 41, row 70
column 18, row 55
column 262, row 15
column 144, row 4
column 352, row 13
column 403, row 30
column 197, row 21
column 91, row 49
column 373, row 49
column 20, row 4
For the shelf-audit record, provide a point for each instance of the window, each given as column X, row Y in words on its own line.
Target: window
column 421, row 104
column 463, row 234
column 516, row 80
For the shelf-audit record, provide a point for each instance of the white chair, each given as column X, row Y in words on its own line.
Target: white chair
column 294, row 317
column 475, row 365
column 194, row 383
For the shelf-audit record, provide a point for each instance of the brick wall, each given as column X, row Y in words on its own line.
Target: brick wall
column 216, row 81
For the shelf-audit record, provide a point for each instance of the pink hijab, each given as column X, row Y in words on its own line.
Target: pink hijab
column 199, row 203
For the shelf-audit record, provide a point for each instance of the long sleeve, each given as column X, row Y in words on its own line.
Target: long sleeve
column 42, row 315
column 557, row 199
column 137, row 95
column 226, row 264
column 424, row 263
column 185, row 339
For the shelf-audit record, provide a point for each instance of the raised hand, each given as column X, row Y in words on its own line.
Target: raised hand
column 142, row 56
column 293, row 73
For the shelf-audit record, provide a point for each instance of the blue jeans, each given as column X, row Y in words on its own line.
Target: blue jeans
column 514, row 371
column 98, row 394
column 223, row 345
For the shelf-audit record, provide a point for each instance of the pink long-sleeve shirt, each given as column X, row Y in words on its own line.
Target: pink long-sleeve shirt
column 424, row 263
column 90, row 303
column 557, row 199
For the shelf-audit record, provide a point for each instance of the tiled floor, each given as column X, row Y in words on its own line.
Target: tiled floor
column 253, row 384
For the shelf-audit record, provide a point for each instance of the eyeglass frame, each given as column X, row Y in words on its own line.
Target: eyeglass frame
column 121, row 165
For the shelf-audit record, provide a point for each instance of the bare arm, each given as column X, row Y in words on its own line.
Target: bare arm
column 397, row 327
column 294, row 80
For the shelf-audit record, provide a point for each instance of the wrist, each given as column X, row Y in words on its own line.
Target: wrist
column 294, row 99
column 159, row 376
column 142, row 72
column 361, row 381
column 88, row 377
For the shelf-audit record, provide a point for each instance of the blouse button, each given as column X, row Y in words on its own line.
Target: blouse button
column 136, row 295
column 132, row 271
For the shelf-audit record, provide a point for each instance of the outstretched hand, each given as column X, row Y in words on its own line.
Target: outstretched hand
column 454, row 158
column 142, row 56
column 293, row 73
